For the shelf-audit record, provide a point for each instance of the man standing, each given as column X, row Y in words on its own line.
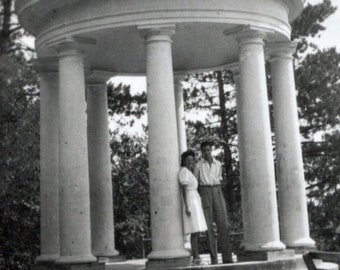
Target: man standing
column 208, row 172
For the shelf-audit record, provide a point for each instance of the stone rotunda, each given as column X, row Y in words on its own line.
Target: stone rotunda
column 82, row 43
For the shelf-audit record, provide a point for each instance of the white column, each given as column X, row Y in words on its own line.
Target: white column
column 259, row 202
column 75, row 227
column 49, row 160
column 290, row 174
column 182, row 138
column 102, row 229
column 166, row 222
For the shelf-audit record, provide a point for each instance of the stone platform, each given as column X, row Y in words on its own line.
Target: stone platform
column 295, row 263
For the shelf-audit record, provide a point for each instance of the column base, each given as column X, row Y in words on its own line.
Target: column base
column 305, row 243
column 111, row 259
column 269, row 246
column 168, row 258
column 47, row 258
column 167, row 263
column 77, row 259
column 303, row 250
column 168, row 254
column 245, row 256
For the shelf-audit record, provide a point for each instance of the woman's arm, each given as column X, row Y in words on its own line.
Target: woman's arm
column 184, row 191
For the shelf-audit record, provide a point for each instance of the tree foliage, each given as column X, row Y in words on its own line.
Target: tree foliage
column 130, row 193
column 11, row 31
column 309, row 24
column 19, row 147
column 19, row 163
column 317, row 77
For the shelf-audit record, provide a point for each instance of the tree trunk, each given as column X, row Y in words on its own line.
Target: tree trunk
column 6, row 25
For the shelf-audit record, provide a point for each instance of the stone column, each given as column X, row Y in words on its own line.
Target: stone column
column 182, row 138
column 102, row 229
column 166, row 222
column 75, row 227
column 259, row 202
column 49, row 160
column 289, row 167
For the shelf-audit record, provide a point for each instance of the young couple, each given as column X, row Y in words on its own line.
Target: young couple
column 203, row 209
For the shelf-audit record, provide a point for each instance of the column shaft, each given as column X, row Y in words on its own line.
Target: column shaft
column 102, row 229
column 75, row 231
column 291, row 181
column 166, row 223
column 182, row 138
column 260, row 217
column 49, row 166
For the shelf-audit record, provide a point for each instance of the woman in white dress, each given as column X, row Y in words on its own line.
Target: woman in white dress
column 193, row 217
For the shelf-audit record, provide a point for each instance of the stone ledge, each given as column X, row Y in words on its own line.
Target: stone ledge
column 82, row 266
column 291, row 264
column 168, row 264
column 247, row 256
column 111, row 259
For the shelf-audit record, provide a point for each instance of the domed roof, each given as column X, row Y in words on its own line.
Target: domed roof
column 203, row 36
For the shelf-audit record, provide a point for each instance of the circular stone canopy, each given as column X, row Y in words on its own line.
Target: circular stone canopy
column 110, row 30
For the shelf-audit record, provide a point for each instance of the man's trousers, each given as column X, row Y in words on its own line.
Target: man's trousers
column 215, row 211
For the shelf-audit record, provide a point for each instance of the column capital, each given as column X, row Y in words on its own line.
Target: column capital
column 71, row 45
column 280, row 50
column 157, row 32
column 249, row 34
column 46, row 64
column 98, row 77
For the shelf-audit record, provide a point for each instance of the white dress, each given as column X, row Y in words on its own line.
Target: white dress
column 196, row 221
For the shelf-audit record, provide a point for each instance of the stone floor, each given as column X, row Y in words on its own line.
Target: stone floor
column 287, row 264
column 127, row 265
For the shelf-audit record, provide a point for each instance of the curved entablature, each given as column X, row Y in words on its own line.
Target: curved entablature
column 113, row 24
column 31, row 12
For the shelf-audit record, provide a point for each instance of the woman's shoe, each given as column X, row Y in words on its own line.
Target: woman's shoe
column 198, row 261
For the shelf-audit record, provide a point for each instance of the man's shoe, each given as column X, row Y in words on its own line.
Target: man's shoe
column 214, row 262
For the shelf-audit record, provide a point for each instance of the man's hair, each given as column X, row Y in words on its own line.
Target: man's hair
column 205, row 143
column 185, row 155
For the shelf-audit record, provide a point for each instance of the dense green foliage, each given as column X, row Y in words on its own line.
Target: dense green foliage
column 19, row 162
column 19, row 147
column 319, row 102
column 130, row 193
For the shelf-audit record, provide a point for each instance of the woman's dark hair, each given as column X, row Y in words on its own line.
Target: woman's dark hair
column 205, row 143
column 185, row 155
